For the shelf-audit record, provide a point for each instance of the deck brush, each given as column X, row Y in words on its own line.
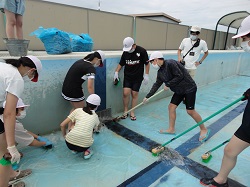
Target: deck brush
column 206, row 157
column 159, row 149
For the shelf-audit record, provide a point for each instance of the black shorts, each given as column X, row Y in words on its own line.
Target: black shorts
column 243, row 131
column 1, row 127
column 76, row 148
column 135, row 86
column 189, row 99
column 73, row 99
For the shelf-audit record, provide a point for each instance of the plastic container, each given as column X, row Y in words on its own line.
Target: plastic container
column 17, row 47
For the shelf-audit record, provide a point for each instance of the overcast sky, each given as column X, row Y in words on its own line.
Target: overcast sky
column 204, row 13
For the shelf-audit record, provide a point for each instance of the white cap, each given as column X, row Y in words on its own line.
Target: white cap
column 101, row 53
column 38, row 65
column 19, row 104
column 195, row 28
column 244, row 28
column 128, row 43
column 94, row 99
column 155, row 55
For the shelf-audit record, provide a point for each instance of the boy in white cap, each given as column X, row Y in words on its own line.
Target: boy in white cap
column 80, row 136
column 133, row 58
column 22, row 136
column 190, row 50
column 241, row 138
column 175, row 77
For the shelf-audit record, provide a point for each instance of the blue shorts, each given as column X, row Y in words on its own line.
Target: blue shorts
column 14, row 6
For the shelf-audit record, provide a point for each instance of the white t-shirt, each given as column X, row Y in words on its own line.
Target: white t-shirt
column 186, row 45
column 10, row 81
column 22, row 136
column 82, row 133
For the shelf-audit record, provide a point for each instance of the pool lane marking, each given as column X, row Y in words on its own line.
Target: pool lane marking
column 153, row 172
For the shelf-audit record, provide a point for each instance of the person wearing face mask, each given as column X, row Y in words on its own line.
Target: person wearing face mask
column 190, row 49
column 133, row 58
column 81, row 71
column 80, row 137
column 241, row 138
column 22, row 136
column 176, row 78
column 12, row 72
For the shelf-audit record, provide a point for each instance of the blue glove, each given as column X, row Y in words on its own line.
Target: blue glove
column 42, row 139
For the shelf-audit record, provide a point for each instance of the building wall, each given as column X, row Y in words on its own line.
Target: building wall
column 107, row 29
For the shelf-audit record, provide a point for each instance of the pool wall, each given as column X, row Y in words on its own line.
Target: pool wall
column 48, row 109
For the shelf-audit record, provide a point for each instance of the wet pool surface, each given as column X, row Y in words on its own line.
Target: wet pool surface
column 122, row 150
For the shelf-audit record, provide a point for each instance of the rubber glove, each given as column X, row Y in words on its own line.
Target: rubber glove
column 15, row 155
column 145, row 100
column 246, row 94
column 116, row 76
column 42, row 139
column 146, row 79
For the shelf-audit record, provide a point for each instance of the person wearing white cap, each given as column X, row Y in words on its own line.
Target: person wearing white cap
column 12, row 73
column 133, row 58
column 80, row 136
column 174, row 76
column 22, row 136
column 82, row 70
column 241, row 138
column 190, row 49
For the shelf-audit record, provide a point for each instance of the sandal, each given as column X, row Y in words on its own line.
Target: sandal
column 20, row 175
column 133, row 118
column 211, row 181
column 124, row 116
column 18, row 184
column 90, row 153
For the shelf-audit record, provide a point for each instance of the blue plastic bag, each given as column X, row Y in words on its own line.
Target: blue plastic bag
column 81, row 43
column 55, row 41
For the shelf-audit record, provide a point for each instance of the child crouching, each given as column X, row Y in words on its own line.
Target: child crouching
column 80, row 136
column 22, row 136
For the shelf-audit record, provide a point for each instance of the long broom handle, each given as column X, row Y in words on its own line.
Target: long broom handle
column 201, row 122
column 218, row 146
column 142, row 102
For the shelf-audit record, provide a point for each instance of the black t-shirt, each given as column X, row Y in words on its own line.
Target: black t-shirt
column 76, row 76
column 175, row 76
column 134, row 63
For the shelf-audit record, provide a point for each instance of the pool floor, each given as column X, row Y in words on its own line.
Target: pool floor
column 122, row 150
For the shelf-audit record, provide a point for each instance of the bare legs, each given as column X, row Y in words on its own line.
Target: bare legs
column 126, row 97
column 192, row 113
column 14, row 22
column 5, row 171
column 197, row 119
column 231, row 151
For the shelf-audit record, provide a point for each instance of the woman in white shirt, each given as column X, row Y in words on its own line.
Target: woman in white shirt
column 12, row 73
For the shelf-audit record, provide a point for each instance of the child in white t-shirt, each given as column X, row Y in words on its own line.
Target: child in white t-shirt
column 80, row 137
column 22, row 136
